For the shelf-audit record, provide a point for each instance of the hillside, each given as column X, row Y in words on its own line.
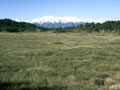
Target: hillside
column 8, row 25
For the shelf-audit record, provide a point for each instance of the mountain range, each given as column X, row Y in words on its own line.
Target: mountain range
column 63, row 22
column 8, row 25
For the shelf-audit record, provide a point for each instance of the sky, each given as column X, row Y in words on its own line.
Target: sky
column 82, row 9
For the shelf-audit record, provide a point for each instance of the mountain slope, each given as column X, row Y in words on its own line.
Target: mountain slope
column 57, row 22
column 13, row 26
column 58, row 25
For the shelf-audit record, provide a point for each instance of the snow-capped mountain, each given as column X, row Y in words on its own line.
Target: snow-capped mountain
column 53, row 19
column 56, row 22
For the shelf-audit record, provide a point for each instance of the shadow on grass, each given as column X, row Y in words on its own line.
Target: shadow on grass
column 26, row 86
column 11, row 85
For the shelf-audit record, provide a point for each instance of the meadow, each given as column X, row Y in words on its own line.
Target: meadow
column 59, row 61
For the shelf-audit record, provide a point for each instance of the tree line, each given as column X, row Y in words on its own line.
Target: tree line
column 8, row 25
column 108, row 26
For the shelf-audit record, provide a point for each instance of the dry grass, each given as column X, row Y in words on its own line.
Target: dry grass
column 53, row 61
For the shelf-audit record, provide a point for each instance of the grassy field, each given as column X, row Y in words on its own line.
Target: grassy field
column 52, row 61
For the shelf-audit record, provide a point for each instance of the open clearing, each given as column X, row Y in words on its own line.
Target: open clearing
column 52, row 61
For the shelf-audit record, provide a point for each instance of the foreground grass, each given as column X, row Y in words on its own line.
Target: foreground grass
column 51, row 61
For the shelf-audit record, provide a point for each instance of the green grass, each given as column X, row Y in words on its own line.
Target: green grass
column 52, row 61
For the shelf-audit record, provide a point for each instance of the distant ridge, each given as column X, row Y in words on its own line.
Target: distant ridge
column 57, row 22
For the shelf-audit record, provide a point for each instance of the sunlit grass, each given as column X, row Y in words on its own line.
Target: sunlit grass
column 52, row 61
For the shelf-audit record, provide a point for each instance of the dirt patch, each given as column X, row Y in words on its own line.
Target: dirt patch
column 109, row 81
column 43, row 68
column 115, row 87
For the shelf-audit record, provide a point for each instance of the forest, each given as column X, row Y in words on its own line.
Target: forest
column 8, row 25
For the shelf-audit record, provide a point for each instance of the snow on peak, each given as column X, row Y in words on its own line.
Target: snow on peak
column 17, row 20
column 54, row 19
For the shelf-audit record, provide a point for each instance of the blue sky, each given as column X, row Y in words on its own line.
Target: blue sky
column 83, row 9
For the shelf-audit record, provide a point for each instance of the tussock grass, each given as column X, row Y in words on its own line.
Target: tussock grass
column 53, row 61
